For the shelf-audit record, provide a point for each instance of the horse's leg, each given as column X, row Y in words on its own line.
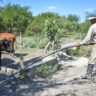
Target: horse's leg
column 12, row 54
column 0, row 60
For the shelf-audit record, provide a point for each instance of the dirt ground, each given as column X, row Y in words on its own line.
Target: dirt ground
column 65, row 82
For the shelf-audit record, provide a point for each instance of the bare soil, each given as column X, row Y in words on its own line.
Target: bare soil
column 65, row 82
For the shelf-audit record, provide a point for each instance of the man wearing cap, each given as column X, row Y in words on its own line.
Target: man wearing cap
column 90, row 37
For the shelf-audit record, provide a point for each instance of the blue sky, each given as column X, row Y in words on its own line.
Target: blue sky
column 62, row 7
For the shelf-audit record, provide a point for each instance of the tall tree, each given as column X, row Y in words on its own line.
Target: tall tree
column 37, row 26
column 73, row 18
column 15, row 17
column 90, row 13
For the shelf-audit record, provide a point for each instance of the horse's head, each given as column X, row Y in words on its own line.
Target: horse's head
column 6, row 45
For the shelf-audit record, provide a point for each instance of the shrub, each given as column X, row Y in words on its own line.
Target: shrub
column 33, row 42
column 45, row 70
column 80, row 51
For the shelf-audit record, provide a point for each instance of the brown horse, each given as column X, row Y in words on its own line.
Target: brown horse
column 8, row 36
column 5, row 46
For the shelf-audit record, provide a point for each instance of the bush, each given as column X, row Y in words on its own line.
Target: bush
column 30, row 43
column 33, row 42
column 80, row 51
column 44, row 71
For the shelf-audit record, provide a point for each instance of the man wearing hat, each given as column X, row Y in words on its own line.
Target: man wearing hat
column 90, row 37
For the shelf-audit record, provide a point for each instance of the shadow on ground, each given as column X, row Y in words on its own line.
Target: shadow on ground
column 31, row 86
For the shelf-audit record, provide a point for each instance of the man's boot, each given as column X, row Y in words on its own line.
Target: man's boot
column 89, row 71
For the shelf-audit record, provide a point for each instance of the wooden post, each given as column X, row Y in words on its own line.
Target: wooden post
column 21, row 61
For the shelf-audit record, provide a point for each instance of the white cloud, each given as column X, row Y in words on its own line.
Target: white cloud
column 51, row 7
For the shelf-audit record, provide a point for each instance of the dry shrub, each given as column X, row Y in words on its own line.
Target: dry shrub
column 80, row 51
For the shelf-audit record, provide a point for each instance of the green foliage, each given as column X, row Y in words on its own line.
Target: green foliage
column 90, row 13
column 84, row 27
column 29, row 42
column 46, row 70
column 73, row 52
column 34, row 42
column 80, row 51
column 73, row 18
column 71, row 27
column 51, row 29
column 15, row 17
column 37, row 26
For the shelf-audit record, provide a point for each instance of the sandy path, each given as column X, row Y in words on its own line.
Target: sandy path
column 55, row 85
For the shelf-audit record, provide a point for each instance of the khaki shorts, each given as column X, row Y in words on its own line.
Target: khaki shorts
column 92, row 59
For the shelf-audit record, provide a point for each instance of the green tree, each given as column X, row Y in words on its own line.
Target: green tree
column 1, row 20
column 90, row 13
column 51, row 28
column 15, row 17
column 37, row 26
column 73, row 18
